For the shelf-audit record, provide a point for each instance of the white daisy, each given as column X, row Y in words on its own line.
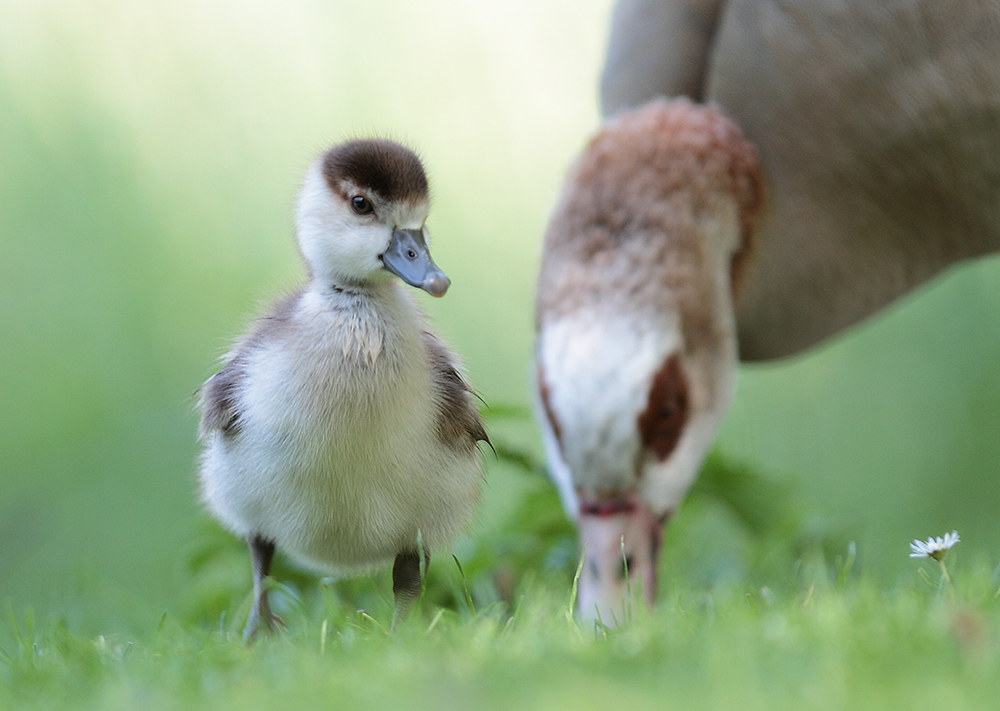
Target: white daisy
column 934, row 547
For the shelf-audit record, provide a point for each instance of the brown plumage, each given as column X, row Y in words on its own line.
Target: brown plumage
column 377, row 165
column 878, row 130
column 629, row 225
column 846, row 151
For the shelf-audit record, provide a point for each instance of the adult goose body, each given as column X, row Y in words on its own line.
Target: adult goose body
column 827, row 157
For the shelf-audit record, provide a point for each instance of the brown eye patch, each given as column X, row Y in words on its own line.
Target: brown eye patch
column 662, row 422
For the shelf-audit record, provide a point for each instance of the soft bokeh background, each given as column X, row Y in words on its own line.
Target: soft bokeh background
column 150, row 154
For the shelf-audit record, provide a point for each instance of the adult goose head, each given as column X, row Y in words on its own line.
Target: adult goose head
column 637, row 338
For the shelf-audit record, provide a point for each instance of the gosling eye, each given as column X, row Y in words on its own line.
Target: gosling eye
column 411, row 254
column 362, row 205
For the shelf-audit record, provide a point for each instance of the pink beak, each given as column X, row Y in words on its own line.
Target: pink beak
column 617, row 534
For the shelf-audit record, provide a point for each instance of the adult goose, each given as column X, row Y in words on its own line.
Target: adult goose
column 841, row 153
column 341, row 430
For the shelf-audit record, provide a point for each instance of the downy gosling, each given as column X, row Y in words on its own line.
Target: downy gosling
column 341, row 429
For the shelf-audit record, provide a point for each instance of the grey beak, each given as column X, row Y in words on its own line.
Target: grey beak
column 408, row 258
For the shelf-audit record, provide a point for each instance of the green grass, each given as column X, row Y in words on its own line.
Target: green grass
column 809, row 643
column 757, row 611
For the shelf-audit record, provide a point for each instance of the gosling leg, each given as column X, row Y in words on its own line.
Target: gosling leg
column 406, row 583
column 261, row 554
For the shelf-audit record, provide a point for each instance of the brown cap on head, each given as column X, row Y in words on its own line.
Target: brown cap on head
column 382, row 166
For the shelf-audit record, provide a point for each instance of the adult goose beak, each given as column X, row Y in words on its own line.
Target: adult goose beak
column 408, row 258
column 621, row 541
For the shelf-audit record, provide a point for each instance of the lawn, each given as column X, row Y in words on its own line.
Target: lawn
column 757, row 612
column 856, row 647
column 823, row 634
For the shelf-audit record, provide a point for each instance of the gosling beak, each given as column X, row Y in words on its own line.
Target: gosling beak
column 621, row 539
column 408, row 258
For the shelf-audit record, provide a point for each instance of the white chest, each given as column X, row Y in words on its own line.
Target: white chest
column 338, row 456
column 344, row 378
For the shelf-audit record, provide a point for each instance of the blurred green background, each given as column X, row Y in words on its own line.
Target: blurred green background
column 150, row 155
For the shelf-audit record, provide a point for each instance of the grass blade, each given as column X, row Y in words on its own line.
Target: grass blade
column 465, row 586
column 576, row 583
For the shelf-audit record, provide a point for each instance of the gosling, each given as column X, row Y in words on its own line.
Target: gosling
column 341, row 429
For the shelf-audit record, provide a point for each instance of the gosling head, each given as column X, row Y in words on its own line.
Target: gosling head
column 361, row 215
column 636, row 354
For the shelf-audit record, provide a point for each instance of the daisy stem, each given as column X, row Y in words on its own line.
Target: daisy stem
column 945, row 578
